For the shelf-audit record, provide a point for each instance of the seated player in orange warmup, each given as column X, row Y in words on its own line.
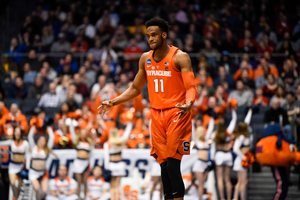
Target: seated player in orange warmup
column 11, row 120
column 97, row 187
column 172, row 91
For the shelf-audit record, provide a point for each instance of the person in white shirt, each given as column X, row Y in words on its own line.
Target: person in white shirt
column 62, row 187
column 97, row 187
column 89, row 29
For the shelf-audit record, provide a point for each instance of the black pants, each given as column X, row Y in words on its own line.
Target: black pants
column 282, row 185
column 4, row 187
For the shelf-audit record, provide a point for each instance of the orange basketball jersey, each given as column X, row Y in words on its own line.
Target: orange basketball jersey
column 165, row 84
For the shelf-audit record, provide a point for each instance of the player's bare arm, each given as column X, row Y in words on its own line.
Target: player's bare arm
column 183, row 63
column 133, row 91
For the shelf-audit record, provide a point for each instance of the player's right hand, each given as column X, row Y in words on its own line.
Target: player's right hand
column 104, row 107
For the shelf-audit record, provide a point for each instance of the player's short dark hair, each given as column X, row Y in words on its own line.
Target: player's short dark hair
column 161, row 23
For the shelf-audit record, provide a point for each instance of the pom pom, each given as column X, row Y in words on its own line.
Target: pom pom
column 247, row 162
column 232, row 103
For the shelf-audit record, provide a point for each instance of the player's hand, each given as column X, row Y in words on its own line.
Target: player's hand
column 104, row 107
column 184, row 108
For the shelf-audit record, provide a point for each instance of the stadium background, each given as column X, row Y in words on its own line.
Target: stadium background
column 107, row 38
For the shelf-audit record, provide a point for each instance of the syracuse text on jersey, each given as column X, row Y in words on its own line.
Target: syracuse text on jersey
column 159, row 73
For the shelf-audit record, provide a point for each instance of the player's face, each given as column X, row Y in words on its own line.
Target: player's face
column 155, row 37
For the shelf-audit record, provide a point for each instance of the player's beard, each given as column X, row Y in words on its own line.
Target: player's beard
column 158, row 43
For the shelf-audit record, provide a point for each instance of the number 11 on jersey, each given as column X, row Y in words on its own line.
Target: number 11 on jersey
column 161, row 85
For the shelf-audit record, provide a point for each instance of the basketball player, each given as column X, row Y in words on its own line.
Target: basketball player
column 172, row 92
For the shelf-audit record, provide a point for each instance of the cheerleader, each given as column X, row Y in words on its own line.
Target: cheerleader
column 84, row 145
column 202, row 145
column 39, row 154
column 113, row 158
column 240, row 148
column 223, row 157
column 156, row 178
column 19, row 150
column 97, row 187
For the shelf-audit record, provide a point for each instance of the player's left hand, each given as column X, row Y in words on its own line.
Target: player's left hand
column 184, row 107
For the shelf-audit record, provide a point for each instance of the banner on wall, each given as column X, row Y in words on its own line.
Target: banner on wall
column 139, row 159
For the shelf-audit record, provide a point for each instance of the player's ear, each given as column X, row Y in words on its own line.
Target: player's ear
column 164, row 35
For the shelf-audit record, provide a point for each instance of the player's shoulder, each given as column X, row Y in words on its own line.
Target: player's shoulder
column 181, row 54
column 144, row 56
column 181, row 57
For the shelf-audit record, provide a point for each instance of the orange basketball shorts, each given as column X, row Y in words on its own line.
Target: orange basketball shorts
column 170, row 138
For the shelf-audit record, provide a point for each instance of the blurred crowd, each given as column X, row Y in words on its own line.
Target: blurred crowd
column 104, row 29
column 111, row 36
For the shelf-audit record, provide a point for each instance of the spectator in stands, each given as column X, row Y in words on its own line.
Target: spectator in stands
column 66, row 69
column 91, row 59
column 260, row 99
column 247, row 47
column 280, row 94
column 36, row 90
column 97, row 50
column 72, row 98
column 7, row 65
column 100, row 84
column 133, row 52
column 203, row 79
column 246, row 79
column 51, row 98
column 62, row 187
column 15, row 48
column 293, row 108
column 89, row 29
column 51, row 74
column 18, row 89
column 247, row 35
column 272, row 36
column 209, row 51
column 35, row 64
column 290, row 74
column 61, row 89
column 79, row 45
column 223, row 77
column 128, row 70
column 107, row 73
column 29, row 75
column 81, row 86
column 97, row 188
column 243, row 96
column 276, row 114
column 282, row 24
column 270, row 88
column 61, row 45
column 220, row 95
column 90, row 73
column 140, row 42
column 47, row 37
column 13, row 119
column 244, row 65
column 68, row 60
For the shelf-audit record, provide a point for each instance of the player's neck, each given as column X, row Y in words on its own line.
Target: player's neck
column 162, row 51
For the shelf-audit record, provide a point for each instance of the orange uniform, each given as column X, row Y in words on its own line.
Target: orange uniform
column 8, row 121
column 169, row 138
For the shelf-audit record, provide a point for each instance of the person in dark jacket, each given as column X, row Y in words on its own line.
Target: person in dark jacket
column 276, row 114
column 18, row 89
